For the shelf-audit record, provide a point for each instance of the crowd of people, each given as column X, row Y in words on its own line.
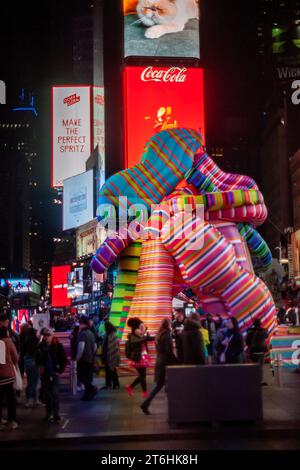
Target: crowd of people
column 289, row 315
column 192, row 340
column 197, row 342
column 42, row 358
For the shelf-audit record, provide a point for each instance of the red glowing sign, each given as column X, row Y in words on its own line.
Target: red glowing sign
column 159, row 98
column 59, row 286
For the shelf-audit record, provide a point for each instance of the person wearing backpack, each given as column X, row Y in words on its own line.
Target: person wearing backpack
column 51, row 358
column 136, row 351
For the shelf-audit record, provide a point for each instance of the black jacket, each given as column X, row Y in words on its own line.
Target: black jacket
column 165, row 356
column 30, row 343
column 52, row 358
column 192, row 342
column 256, row 340
column 235, row 347
column 136, row 343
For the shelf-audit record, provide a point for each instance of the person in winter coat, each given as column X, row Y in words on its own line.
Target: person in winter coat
column 192, row 341
column 257, row 344
column 111, row 356
column 233, row 343
column 86, row 352
column 29, row 351
column 177, row 327
column 165, row 357
column 139, row 357
column 51, row 358
column 23, row 331
column 8, row 359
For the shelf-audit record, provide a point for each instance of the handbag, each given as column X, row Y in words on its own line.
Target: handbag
column 18, row 382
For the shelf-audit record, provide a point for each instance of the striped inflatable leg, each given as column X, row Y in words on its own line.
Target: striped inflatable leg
column 153, row 294
column 125, row 285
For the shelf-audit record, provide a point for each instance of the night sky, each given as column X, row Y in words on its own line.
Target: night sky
column 37, row 51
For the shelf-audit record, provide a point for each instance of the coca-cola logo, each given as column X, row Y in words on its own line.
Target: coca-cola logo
column 173, row 74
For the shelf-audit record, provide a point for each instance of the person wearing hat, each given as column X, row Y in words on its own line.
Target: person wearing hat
column 52, row 360
column 138, row 353
column 85, row 358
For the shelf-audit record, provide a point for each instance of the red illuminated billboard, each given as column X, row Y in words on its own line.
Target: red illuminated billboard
column 159, row 98
column 59, row 286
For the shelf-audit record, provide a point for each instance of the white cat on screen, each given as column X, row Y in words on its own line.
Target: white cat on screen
column 166, row 16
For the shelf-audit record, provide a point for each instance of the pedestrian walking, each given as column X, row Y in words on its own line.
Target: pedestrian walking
column 165, row 357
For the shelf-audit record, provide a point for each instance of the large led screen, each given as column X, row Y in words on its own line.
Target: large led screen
column 159, row 98
column 59, row 286
column 162, row 28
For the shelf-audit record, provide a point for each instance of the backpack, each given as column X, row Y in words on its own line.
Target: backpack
column 128, row 348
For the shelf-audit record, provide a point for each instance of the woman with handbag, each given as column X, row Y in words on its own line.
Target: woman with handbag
column 138, row 355
column 8, row 362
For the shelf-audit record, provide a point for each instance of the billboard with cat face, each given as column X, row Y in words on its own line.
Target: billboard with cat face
column 159, row 98
column 162, row 28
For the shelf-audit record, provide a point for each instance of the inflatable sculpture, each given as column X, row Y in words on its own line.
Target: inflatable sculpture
column 213, row 258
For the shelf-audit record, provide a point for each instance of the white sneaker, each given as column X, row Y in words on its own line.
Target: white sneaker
column 12, row 425
column 3, row 421
column 38, row 404
column 29, row 404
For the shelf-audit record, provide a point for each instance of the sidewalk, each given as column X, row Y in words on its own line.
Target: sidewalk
column 114, row 417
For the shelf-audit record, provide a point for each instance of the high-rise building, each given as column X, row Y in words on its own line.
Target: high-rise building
column 21, row 199
column 83, row 48
column 278, row 33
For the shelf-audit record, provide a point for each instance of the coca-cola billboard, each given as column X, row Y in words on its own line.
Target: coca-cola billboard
column 161, row 28
column 159, row 98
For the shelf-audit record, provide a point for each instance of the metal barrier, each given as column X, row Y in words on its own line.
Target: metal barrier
column 278, row 369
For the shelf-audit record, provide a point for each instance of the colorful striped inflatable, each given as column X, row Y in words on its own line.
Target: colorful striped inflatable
column 210, row 263
column 220, row 269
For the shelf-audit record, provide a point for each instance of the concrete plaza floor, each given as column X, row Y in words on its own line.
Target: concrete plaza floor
column 114, row 421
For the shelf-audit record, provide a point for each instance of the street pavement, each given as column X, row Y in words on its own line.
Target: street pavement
column 114, row 421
